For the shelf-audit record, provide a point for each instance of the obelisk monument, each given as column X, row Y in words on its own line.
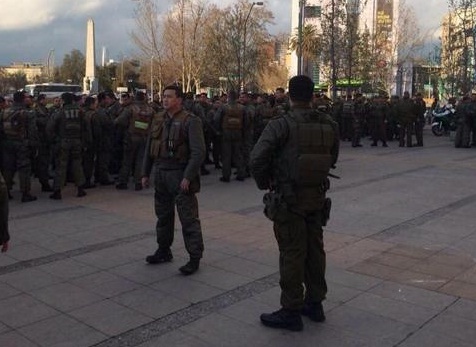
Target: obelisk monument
column 90, row 83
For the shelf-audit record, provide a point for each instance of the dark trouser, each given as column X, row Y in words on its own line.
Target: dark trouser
column 16, row 157
column 406, row 129
column 463, row 135
column 216, row 149
column 89, row 157
column 103, row 158
column 302, row 260
column 346, row 131
column 132, row 160
column 419, row 132
column 168, row 194
column 69, row 149
column 43, row 160
column 4, row 236
column 232, row 152
column 379, row 132
column 357, row 133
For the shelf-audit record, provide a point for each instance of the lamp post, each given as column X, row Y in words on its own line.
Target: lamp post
column 152, row 78
column 242, row 60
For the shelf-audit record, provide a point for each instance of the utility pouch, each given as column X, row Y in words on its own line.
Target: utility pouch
column 275, row 208
column 326, row 211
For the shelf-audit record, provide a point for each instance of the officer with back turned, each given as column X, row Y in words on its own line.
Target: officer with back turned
column 292, row 159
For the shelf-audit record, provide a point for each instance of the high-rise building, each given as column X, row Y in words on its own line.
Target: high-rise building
column 378, row 17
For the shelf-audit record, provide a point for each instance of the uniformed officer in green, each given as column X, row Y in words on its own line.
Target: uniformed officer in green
column 69, row 131
column 175, row 148
column 292, row 159
column 20, row 139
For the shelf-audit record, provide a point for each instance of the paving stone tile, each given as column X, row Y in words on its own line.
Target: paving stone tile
column 109, row 317
column 460, row 260
column 372, row 326
column 351, row 279
column 178, row 339
column 339, row 293
column 29, row 279
column 247, row 311
column 107, row 258
column 105, row 284
column 185, row 288
column 454, row 326
column 14, row 339
column 23, row 309
column 437, row 269
column 150, row 302
column 468, row 276
column 68, row 269
column 65, row 296
column 426, row 337
column 417, row 296
column 228, row 331
column 143, row 273
column 394, row 260
column 457, row 288
column 7, row 291
column 357, row 252
column 376, row 270
column 420, row 280
column 28, row 251
column 403, row 312
column 220, row 278
column 245, row 267
column 61, row 331
column 463, row 308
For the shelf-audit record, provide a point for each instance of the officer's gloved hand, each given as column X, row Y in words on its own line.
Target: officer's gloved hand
column 4, row 247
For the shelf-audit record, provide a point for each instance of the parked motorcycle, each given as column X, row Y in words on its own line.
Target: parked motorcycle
column 443, row 120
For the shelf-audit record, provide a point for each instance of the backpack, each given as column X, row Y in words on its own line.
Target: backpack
column 307, row 155
column 15, row 123
column 141, row 117
column 233, row 117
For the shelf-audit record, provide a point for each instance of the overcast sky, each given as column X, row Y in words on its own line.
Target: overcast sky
column 30, row 29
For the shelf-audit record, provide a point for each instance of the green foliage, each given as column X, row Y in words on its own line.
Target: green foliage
column 73, row 67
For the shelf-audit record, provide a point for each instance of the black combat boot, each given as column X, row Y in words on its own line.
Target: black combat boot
column 191, row 267
column 314, row 311
column 81, row 192
column 56, row 195
column 27, row 197
column 160, row 256
column 283, row 319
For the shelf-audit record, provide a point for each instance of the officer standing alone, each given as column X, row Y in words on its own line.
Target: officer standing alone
column 292, row 159
column 175, row 148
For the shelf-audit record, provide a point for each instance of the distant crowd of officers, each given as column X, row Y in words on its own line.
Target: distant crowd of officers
column 100, row 139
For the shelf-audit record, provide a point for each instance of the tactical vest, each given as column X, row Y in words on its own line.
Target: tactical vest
column 348, row 108
column 15, row 123
column 71, row 123
column 168, row 137
column 233, row 117
column 141, row 117
column 306, row 158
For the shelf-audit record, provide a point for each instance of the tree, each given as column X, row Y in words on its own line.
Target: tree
column 232, row 54
column 73, row 68
column 310, row 45
column 460, row 46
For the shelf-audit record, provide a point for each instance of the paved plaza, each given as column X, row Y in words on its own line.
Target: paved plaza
column 401, row 248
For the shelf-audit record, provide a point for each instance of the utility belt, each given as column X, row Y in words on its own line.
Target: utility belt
column 278, row 209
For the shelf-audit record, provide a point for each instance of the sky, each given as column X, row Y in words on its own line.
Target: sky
column 31, row 29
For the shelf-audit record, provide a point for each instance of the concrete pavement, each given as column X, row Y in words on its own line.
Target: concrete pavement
column 401, row 248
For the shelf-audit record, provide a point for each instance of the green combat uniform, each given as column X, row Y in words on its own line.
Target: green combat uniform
column 70, row 133
column 292, row 159
column 175, row 148
column 20, row 139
